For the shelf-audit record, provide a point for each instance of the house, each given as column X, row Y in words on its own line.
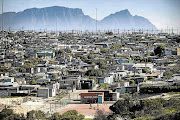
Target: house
column 7, row 91
column 140, row 66
column 46, row 92
column 127, row 89
column 91, row 97
column 8, row 84
column 18, row 64
column 122, row 73
column 28, row 70
column 7, row 62
column 5, row 79
column 46, row 53
column 70, row 82
column 104, row 45
column 43, row 80
column 168, row 52
column 86, row 83
column 41, row 67
column 137, row 79
column 119, row 61
column 157, row 75
column 108, row 94
column 41, row 75
column 124, row 84
column 119, row 84
column 119, row 74
column 106, row 79
column 161, row 61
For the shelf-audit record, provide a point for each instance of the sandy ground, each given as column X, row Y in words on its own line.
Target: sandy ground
column 85, row 109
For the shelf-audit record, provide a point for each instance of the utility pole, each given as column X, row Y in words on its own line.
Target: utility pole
column 2, row 23
column 56, row 24
column 2, row 17
column 177, row 31
column 96, row 20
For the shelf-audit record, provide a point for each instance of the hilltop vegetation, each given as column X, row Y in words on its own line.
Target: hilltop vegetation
column 147, row 109
column 8, row 114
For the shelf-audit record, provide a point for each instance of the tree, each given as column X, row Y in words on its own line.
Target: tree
column 132, row 82
column 32, row 82
column 32, row 115
column 68, row 50
column 55, row 116
column 103, row 50
column 3, row 69
column 59, row 52
column 159, row 50
column 90, row 56
column 101, row 115
column 8, row 114
column 167, row 74
column 151, row 78
column 94, row 72
column 175, row 70
column 109, row 33
column 102, row 65
column 104, row 85
column 28, row 65
column 36, row 50
column 72, row 115
column 55, row 76
column 145, row 70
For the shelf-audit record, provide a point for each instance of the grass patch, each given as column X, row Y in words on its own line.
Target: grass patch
column 172, row 93
column 60, row 96
column 176, row 96
column 11, row 97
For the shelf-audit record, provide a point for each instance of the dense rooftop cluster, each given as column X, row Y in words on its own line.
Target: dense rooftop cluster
column 42, row 64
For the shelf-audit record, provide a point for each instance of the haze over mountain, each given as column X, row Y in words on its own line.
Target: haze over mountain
column 71, row 18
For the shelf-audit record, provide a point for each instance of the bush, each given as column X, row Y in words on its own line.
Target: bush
column 72, row 115
column 32, row 115
column 101, row 115
column 147, row 109
column 168, row 74
column 145, row 70
column 8, row 114
column 104, row 85
column 159, row 89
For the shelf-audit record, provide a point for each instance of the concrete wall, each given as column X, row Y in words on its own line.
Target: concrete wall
column 43, row 92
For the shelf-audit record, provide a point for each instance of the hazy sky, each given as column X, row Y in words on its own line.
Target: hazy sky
column 161, row 13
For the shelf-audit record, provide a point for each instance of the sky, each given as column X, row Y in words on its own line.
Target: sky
column 162, row 13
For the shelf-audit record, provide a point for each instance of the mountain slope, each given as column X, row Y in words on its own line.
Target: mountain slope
column 67, row 19
column 71, row 18
column 124, row 20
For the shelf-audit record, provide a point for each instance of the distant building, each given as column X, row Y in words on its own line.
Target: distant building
column 46, row 53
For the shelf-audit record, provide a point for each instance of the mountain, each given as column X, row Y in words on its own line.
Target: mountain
column 35, row 18
column 70, row 18
column 124, row 20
